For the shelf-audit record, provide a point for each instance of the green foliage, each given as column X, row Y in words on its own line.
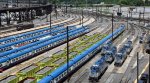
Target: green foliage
column 123, row 2
column 120, row 2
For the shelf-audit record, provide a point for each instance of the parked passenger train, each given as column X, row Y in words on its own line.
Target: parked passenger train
column 22, row 55
column 33, row 44
column 30, row 39
column 25, row 35
column 60, row 74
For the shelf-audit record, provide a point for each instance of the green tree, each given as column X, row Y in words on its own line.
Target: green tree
column 123, row 2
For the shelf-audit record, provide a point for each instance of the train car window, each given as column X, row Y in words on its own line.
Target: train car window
column 51, row 81
column 59, row 77
column 0, row 65
column 65, row 72
column 56, row 79
column 7, row 62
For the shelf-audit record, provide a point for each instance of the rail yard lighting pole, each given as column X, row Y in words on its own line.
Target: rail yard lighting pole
column 137, row 66
column 67, row 54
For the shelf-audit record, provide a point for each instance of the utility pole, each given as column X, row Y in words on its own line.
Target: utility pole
column 86, row 4
column 139, row 18
column 39, row 2
column 67, row 54
column 137, row 67
column 96, row 13
column 0, row 20
column 143, row 15
column 127, row 21
column 66, row 6
column 101, row 14
column 112, row 25
column 29, row 3
column 82, row 17
column 17, row 3
column 148, row 52
column 50, row 22
column 149, row 68
column 56, row 10
column 7, row 4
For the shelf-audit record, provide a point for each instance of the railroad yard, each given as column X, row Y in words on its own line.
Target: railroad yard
column 78, row 46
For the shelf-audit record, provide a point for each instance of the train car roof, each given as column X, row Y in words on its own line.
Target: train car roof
column 20, row 53
column 26, row 33
column 7, row 79
column 23, row 34
column 61, row 69
column 44, row 70
column 46, row 79
column 3, row 59
column 100, row 61
column 7, row 52
column 19, row 48
column 7, row 38
column 78, row 57
column 12, row 43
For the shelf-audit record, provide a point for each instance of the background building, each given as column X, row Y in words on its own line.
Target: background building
column 22, row 3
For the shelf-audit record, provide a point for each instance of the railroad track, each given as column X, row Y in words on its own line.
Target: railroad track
column 76, row 21
column 81, row 73
column 14, row 29
column 112, row 70
column 84, row 75
column 121, row 78
column 128, row 75
column 32, row 29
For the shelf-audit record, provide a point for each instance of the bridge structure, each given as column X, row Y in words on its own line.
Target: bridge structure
column 21, row 14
